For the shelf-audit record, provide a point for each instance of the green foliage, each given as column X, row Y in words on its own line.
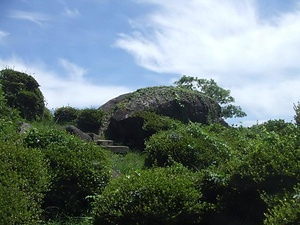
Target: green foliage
column 264, row 166
column 66, row 115
column 47, row 115
column 188, row 145
column 211, row 89
column 72, row 221
column 22, row 92
column 287, row 211
column 156, row 196
column 297, row 113
column 24, row 179
column 89, row 120
column 6, row 112
column 154, row 123
column 123, row 164
column 80, row 169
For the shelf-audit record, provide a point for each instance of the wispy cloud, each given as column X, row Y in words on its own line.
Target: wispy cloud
column 75, row 72
column 61, row 90
column 3, row 34
column 72, row 13
column 35, row 17
column 227, row 41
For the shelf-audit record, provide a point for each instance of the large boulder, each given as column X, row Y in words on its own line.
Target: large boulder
column 121, row 123
column 77, row 132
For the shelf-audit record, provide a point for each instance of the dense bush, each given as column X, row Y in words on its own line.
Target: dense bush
column 286, row 211
column 265, row 166
column 90, row 120
column 187, row 144
column 80, row 169
column 155, row 196
column 24, row 179
column 7, row 113
column 65, row 115
column 22, row 92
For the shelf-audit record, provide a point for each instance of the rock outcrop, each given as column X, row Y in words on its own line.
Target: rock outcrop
column 75, row 131
column 122, row 125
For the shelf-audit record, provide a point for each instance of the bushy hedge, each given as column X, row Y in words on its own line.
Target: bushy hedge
column 187, row 144
column 24, row 178
column 89, row 120
column 22, row 92
column 264, row 167
column 155, row 196
column 286, row 211
column 79, row 168
column 65, row 115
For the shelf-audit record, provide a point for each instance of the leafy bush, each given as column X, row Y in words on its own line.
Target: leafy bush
column 90, row 120
column 6, row 112
column 263, row 166
column 287, row 211
column 154, row 123
column 64, row 115
column 188, row 145
column 24, row 179
column 22, row 92
column 80, row 169
column 154, row 196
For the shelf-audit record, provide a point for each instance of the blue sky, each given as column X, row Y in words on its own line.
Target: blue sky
column 85, row 52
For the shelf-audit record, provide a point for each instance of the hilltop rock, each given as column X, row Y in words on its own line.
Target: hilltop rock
column 75, row 131
column 122, row 125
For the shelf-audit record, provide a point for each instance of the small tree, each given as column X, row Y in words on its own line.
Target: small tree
column 65, row 114
column 213, row 90
column 22, row 93
column 297, row 111
column 89, row 120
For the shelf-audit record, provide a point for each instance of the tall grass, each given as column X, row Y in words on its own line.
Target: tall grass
column 123, row 164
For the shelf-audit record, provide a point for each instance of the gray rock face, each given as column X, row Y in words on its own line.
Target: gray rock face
column 120, row 123
column 75, row 131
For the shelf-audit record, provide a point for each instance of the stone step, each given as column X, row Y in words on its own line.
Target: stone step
column 105, row 142
column 117, row 149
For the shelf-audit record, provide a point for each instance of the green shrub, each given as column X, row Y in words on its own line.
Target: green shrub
column 24, row 179
column 286, row 212
column 7, row 113
column 154, row 123
column 22, row 92
column 80, row 169
column 264, row 166
column 47, row 115
column 189, row 145
column 155, row 196
column 66, row 115
column 89, row 120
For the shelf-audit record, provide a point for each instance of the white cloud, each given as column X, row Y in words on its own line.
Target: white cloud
column 3, row 35
column 35, row 17
column 258, row 59
column 60, row 90
column 72, row 13
column 74, row 71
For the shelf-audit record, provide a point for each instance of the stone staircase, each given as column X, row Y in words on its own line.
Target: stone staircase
column 109, row 145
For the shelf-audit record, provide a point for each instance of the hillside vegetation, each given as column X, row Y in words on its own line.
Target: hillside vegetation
column 188, row 173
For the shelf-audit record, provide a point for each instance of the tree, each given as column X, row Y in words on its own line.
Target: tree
column 297, row 111
column 90, row 120
column 213, row 90
column 22, row 93
column 66, row 114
